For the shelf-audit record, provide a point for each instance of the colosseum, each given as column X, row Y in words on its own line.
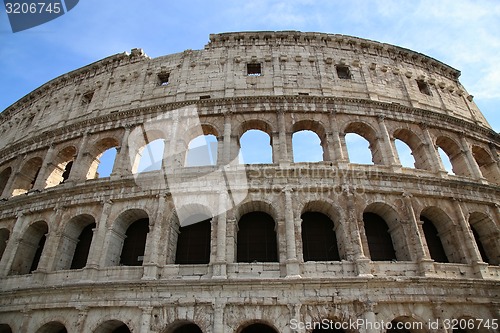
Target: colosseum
column 178, row 238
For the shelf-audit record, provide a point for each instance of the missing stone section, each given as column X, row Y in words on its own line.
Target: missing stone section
column 343, row 72
column 87, row 97
column 424, row 87
column 205, row 97
column 254, row 69
column 163, row 79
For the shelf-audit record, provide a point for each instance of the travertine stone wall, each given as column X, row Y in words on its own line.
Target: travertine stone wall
column 332, row 85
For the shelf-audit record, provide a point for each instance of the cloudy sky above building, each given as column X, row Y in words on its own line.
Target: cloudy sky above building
column 460, row 33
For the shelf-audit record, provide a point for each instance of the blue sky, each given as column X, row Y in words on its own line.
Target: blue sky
column 463, row 34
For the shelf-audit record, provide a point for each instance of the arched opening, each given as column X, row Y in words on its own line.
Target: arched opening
column 52, row 327
column 445, row 159
column 482, row 252
column 103, row 157
column 149, row 157
column 362, row 144
column 411, row 150
column 83, row 247
column 26, row 179
column 127, row 240
column 405, row 154
column 30, row 249
column 378, row 237
column 319, row 242
column 134, row 244
column 455, row 156
column 255, row 147
column 186, row 328
column 4, row 178
column 193, row 242
column 75, row 242
column 307, row 147
column 358, row 149
column 4, row 328
column 4, row 237
column 202, row 150
column 61, row 167
column 440, row 229
column 257, row 238
column 487, row 237
column 434, row 244
column 487, row 165
column 112, row 326
column 258, row 328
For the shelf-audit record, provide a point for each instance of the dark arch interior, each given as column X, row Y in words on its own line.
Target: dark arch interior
column 83, row 247
column 480, row 247
column 319, row 242
column 258, row 328
column 188, row 328
column 434, row 244
column 193, row 244
column 135, row 243
column 378, row 237
column 4, row 328
column 257, row 238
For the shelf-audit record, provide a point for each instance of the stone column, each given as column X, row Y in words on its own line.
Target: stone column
column 295, row 315
column 50, row 253
column 471, row 161
column 78, row 171
column 434, row 158
column 151, row 251
column 12, row 245
column 292, row 264
column 16, row 166
column 370, row 320
column 283, row 156
column 426, row 264
column 355, row 239
column 96, row 256
column 472, row 251
column 337, row 153
column 218, row 316
column 82, row 317
column 387, row 146
column 219, row 266
column 226, row 146
column 146, row 319
column 42, row 174
column 122, row 166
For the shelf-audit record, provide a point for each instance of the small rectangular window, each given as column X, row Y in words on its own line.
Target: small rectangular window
column 254, row 69
column 163, row 79
column 424, row 87
column 343, row 72
column 205, row 97
column 87, row 97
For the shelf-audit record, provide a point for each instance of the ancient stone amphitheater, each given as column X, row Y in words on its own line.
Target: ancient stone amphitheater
column 199, row 241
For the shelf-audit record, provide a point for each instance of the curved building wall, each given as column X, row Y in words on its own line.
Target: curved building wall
column 224, row 246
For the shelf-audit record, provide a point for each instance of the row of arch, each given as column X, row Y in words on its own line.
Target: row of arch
column 323, row 238
column 401, row 324
column 310, row 141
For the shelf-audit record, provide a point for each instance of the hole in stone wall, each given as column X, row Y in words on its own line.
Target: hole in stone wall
column 424, row 87
column 87, row 97
column 163, row 79
column 254, row 69
column 343, row 72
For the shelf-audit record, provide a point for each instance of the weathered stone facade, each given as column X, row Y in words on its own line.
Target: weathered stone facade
column 279, row 83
